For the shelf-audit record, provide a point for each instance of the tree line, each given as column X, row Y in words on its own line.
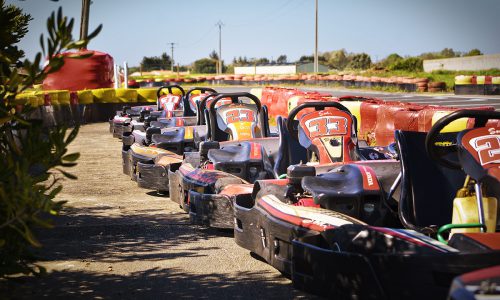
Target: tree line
column 338, row 60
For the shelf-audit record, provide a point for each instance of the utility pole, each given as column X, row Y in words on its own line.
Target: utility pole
column 84, row 25
column 220, row 24
column 172, row 56
column 316, row 64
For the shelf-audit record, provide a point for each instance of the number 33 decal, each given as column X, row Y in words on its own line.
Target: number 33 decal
column 328, row 125
column 239, row 115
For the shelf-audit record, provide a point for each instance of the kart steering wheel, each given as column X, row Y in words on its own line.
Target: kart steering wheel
column 317, row 106
column 438, row 153
column 170, row 88
column 189, row 92
column 201, row 89
column 201, row 106
column 234, row 99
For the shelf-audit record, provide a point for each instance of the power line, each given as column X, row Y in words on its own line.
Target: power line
column 196, row 42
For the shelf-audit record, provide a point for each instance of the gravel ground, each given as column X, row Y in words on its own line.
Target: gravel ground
column 115, row 240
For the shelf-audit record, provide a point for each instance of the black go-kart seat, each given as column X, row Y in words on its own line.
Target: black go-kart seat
column 344, row 191
column 290, row 151
column 246, row 160
column 427, row 188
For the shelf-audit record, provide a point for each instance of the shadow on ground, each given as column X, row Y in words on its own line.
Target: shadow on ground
column 134, row 236
column 151, row 284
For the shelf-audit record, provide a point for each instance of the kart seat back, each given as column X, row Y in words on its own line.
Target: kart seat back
column 139, row 137
column 247, row 160
column 351, row 189
column 427, row 188
column 329, row 134
column 169, row 103
column 290, row 152
column 238, row 121
column 173, row 139
column 174, row 122
column 479, row 153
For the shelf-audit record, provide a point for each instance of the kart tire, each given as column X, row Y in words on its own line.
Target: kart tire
column 438, row 84
column 435, row 90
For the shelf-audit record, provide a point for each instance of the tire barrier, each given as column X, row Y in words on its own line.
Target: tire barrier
column 406, row 84
column 477, row 85
column 376, row 119
column 62, row 107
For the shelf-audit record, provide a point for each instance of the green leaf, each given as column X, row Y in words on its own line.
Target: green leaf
column 42, row 223
column 2, row 243
column 55, row 191
column 71, row 157
column 77, row 45
column 28, row 235
column 72, row 135
column 66, row 174
column 95, row 32
column 42, row 44
column 68, row 165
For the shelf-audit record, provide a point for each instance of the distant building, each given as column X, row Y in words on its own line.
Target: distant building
column 279, row 69
column 466, row 63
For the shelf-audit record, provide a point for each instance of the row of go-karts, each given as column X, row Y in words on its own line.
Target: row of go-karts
column 341, row 218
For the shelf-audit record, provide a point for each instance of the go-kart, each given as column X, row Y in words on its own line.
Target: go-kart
column 176, row 109
column 133, row 118
column 141, row 150
column 476, row 285
column 120, row 123
column 448, row 181
column 152, row 173
column 211, row 185
column 238, row 148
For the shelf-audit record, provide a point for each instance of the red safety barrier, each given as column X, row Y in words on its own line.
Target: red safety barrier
column 368, row 113
column 92, row 72
column 378, row 118
column 281, row 106
column 384, row 129
column 407, row 119
column 311, row 98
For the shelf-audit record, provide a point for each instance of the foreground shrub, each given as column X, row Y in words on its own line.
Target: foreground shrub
column 30, row 154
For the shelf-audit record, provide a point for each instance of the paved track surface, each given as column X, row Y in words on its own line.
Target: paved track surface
column 114, row 240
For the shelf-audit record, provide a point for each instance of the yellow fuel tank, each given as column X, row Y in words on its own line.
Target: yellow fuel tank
column 465, row 211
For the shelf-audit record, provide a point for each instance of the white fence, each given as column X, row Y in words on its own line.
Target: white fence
column 469, row 63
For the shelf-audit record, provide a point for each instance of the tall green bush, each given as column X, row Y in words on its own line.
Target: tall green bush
column 410, row 64
column 31, row 155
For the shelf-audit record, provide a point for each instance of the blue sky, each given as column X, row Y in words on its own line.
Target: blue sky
column 259, row 28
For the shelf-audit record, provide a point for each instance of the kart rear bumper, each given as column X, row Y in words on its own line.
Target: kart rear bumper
column 265, row 236
column 341, row 274
column 120, row 129
column 133, row 160
column 213, row 210
column 152, row 176
column 125, row 162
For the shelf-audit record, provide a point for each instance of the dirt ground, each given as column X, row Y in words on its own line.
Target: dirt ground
column 115, row 240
